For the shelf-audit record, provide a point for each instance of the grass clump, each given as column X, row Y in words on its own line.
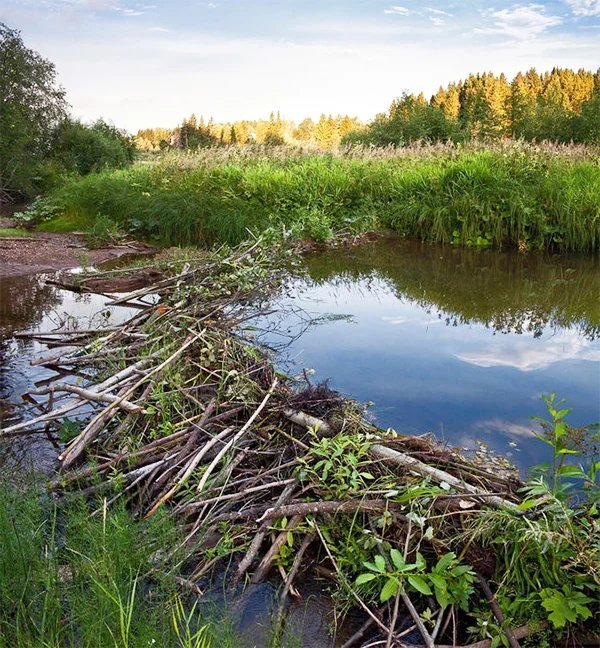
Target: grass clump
column 10, row 232
column 69, row 578
column 519, row 197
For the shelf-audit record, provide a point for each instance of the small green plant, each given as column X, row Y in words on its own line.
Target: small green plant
column 452, row 581
column 566, row 605
column 103, row 232
column 560, row 477
column 338, row 464
column 449, row 581
column 183, row 622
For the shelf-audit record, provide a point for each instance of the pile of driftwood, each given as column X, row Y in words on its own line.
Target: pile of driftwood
column 182, row 412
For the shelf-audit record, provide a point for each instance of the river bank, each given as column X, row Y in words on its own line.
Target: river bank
column 504, row 195
column 192, row 420
column 26, row 253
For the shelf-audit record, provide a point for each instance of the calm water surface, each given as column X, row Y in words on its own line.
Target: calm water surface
column 28, row 302
column 457, row 342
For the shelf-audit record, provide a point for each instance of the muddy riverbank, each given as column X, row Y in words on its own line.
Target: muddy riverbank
column 24, row 253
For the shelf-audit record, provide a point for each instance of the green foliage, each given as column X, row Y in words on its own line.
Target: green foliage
column 71, row 578
column 474, row 198
column 183, row 622
column 10, row 232
column 31, row 103
column 565, row 606
column 80, row 148
column 448, row 580
column 559, row 478
column 103, row 232
column 560, row 106
column 338, row 464
column 550, row 550
column 452, row 581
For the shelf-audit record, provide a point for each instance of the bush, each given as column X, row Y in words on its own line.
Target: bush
column 82, row 149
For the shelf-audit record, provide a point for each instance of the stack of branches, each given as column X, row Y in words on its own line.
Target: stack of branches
column 189, row 416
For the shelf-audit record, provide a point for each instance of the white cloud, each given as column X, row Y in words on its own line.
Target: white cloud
column 585, row 7
column 397, row 10
column 520, row 22
column 128, row 12
column 508, row 428
column 439, row 12
column 395, row 320
column 160, row 29
column 520, row 354
column 319, row 72
column 437, row 16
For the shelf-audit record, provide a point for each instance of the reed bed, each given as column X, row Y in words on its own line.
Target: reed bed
column 510, row 194
column 264, row 481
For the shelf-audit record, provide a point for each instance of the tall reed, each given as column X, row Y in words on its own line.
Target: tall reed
column 534, row 198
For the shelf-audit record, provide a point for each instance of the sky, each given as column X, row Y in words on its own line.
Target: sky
column 144, row 64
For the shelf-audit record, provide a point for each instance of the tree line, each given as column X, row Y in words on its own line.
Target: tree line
column 325, row 133
column 562, row 105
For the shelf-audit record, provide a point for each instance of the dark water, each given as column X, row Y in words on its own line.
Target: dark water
column 29, row 303
column 457, row 342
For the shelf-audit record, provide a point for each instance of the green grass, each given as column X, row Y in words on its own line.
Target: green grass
column 526, row 198
column 71, row 579
column 9, row 232
column 67, row 223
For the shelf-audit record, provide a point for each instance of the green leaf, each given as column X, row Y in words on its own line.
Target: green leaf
column 364, row 578
column 560, row 611
column 563, row 412
column 530, row 503
column 444, row 562
column 380, row 563
column 389, row 589
column 419, row 584
column 438, row 581
column 570, row 471
column 372, row 567
column 566, row 451
column 397, row 559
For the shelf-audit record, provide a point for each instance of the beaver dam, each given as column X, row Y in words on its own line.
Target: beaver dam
column 176, row 411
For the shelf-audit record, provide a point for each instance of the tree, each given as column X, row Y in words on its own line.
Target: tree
column 586, row 126
column 31, row 105
column 83, row 149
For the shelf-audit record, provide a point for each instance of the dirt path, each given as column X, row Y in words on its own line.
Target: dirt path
column 47, row 252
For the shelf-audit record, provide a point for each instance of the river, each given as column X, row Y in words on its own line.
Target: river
column 458, row 342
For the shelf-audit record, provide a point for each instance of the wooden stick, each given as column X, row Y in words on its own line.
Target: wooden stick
column 74, row 451
column 512, row 640
column 260, row 536
column 88, row 394
column 111, row 383
column 321, row 427
column 191, row 466
column 349, row 506
column 237, row 437
column 402, row 459
column 267, row 561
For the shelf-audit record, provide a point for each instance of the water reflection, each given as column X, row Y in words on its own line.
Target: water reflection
column 457, row 342
column 27, row 302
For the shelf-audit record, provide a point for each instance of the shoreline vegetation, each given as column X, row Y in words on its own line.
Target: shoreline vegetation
column 509, row 194
column 247, row 479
